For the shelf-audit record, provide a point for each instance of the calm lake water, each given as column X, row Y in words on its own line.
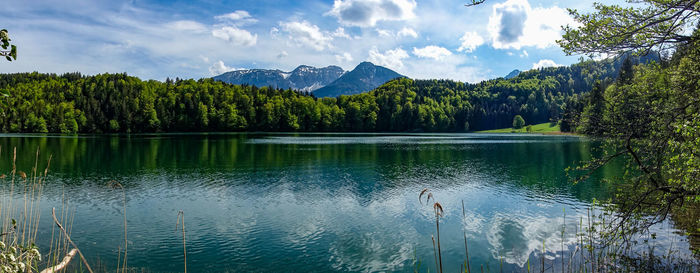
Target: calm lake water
column 313, row 202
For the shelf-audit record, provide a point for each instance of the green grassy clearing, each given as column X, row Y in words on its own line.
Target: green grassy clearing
column 542, row 128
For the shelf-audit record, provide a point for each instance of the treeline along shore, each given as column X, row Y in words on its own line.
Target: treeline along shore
column 118, row 103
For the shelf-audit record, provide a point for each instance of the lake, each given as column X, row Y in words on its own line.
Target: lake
column 314, row 202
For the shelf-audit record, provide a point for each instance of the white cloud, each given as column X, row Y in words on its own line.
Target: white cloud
column 390, row 58
column 600, row 57
column 236, row 36
column 229, row 29
column 432, row 52
column 282, row 54
column 187, row 25
column 340, row 33
column 544, row 63
column 110, row 34
column 470, row 41
column 305, row 33
column 366, row 13
column 219, row 68
column 274, row 31
column 407, row 32
column 515, row 24
column 453, row 68
column 524, row 54
column 384, row 32
column 237, row 17
column 343, row 58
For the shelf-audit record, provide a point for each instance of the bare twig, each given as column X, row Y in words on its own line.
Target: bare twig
column 53, row 214
column 64, row 262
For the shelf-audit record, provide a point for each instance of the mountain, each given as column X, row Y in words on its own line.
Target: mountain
column 512, row 74
column 304, row 78
column 307, row 78
column 365, row 77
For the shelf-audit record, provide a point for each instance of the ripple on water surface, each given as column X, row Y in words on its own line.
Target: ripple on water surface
column 316, row 202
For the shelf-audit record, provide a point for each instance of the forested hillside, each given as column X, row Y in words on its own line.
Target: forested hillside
column 73, row 103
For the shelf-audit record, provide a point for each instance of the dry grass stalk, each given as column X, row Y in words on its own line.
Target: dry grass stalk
column 466, row 247
column 20, row 223
column 181, row 217
column 115, row 184
column 437, row 267
column 439, row 212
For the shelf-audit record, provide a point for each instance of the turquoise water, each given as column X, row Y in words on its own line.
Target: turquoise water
column 313, row 202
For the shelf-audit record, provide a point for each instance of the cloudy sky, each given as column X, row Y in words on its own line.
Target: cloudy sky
column 194, row 39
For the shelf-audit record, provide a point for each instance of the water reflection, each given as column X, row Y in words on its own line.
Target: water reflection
column 316, row 202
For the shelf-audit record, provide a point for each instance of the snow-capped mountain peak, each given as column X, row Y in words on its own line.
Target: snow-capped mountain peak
column 304, row 77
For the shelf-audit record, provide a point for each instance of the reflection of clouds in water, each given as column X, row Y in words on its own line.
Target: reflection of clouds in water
column 304, row 233
column 322, row 208
column 386, row 248
column 515, row 237
column 337, row 229
column 473, row 223
column 371, row 252
column 544, row 205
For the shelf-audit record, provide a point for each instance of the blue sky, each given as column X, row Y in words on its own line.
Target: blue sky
column 195, row 39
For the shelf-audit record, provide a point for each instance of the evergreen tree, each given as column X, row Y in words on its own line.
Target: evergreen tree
column 593, row 114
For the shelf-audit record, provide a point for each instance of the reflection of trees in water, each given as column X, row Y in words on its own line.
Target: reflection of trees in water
column 688, row 220
column 222, row 159
column 224, row 167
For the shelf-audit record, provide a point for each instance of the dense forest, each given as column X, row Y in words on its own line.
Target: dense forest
column 109, row 103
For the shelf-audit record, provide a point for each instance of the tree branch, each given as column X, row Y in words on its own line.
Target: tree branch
column 53, row 214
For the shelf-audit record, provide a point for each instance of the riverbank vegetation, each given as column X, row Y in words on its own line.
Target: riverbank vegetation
column 650, row 115
column 107, row 103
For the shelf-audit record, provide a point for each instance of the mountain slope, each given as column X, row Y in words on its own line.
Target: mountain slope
column 303, row 78
column 365, row 77
column 512, row 74
column 307, row 78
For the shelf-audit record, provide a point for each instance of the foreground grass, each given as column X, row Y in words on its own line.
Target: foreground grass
column 542, row 128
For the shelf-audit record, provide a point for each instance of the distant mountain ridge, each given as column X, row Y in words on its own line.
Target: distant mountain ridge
column 303, row 78
column 330, row 81
column 513, row 74
column 364, row 78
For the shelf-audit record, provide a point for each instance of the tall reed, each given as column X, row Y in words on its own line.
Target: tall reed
column 20, row 215
column 20, row 222
column 467, row 265
column 439, row 212
column 116, row 185
column 181, row 219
